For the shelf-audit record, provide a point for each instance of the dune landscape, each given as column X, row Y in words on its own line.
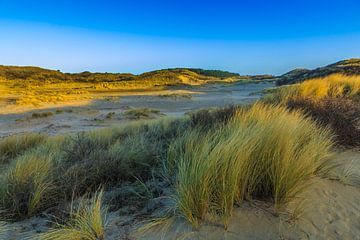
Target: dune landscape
column 179, row 120
column 239, row 159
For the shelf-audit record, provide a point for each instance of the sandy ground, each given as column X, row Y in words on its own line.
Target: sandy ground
column 90, row 114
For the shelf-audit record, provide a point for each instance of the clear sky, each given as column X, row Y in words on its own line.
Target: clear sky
column 249, row 37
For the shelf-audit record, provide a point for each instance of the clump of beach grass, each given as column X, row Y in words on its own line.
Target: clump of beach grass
column 15, row 145
column 86, row 222
column 264, row 152
column 27, row 186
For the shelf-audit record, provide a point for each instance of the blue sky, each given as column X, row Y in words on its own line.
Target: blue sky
column 249, row 37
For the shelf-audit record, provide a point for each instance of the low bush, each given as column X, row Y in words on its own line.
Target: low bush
column 342, row 115
column 206, row 118
column 139, row 113
column 41, row 114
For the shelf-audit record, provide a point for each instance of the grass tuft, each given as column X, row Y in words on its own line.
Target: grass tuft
column 264, row 152
column 27, row 186
column 87, row 222
column 12, row 146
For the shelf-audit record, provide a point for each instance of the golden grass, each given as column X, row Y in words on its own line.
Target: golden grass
column 36, row 92
column 332, row 86
column 264, row 152
column 87, row 222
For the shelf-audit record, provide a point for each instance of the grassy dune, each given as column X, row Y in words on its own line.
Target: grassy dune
column 332, row 86
column 207, row 167
column 331, row 101
column 37, row 86
column 206, row 163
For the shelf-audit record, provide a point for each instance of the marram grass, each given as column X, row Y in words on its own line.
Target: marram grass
column 87, row 222
column 265, row 152
column 332, row 86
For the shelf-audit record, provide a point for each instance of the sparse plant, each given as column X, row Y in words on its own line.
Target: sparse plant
column 41, row 114
column 139, row 113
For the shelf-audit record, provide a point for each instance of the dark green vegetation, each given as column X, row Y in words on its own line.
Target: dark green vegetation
column 342, row 115
column 139, row 113
column 210, row 73
column 346, row 67
column 41, row 114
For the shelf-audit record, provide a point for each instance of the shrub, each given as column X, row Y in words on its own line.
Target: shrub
column 88, row 222
column 342, row 115
column 139, row 113
column 264, row 152
column 12, row 146
column 208, row 117
column 41, row 114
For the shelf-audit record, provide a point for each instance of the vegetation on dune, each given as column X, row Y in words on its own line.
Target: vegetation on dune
column 206, row 163
column 331, row 101
column 26, row 186
column 333, row 86
column 350, row 67
column 210, row 161
column 60, row 168
column 13, row 146
column 210, row 73
column 176, row 95
column 87, row 222
column 41, row 114
column 263, row 152
column 36, row 86
column 341, row 115
column 138, row 113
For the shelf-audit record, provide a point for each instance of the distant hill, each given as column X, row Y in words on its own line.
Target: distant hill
column 347, row 67
column 175, row 75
